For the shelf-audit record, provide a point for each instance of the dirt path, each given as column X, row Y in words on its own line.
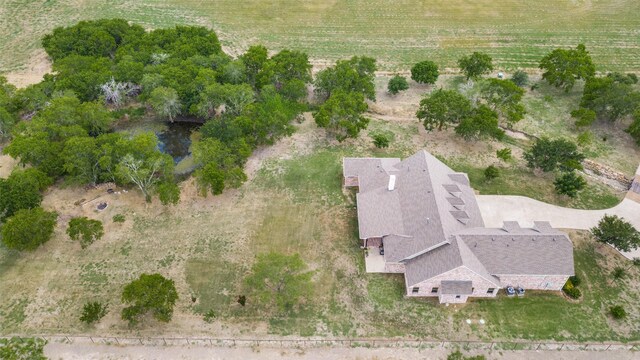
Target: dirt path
column 99, row 352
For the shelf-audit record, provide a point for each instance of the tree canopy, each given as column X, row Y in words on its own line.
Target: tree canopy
column 475, row 65
column 425, row 72
column 480, row 123
column 617, row 232
column 396, row 84
column 548, row 155
column 149, row 293
column 504, row 97
column 22, row 190
column 563, row 67
column 569, row 183
column 354, row 75
column 443, row 108
column 28, row 228
column 85, row 230
column 341, row 114
column 610, row 97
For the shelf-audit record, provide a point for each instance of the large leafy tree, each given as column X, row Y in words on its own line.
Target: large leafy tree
column 149, row 293
column 280, row 280
column 425, row 72
column 165, row 102
column 85, row 230
column 220, row 164
column 475, row 65
column 289, row 71
column 341, row 114
column 569, row 183
column 354, row 75
column 504, row 97
column 145, row 172
column 482, row 122
column 609, row 97
column 617, row 232
column 83, row 75
column 548, row 155
column 563, row 67
column 21, row 190
column 254, row 59
column 28, row 228
column 235, row 99
column 634, row 128
column 443, row 108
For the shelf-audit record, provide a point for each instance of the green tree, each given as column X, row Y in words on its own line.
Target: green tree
column 609, row 99
column 210, row 178
column 584, row 117
column 22, row 349
column 280, row 280
column 475, row 65
column 396, row 84
column 93, row 312
column 380, row 141
column 234, row 72
column 618, row 312
column 425, row 72
column 520, row 78
column 563, row 67
column 443, row 108
column 341, row 114
column 28, row 228
column 146, row 172
column 504, row 97
column 288, row 71
column 168, row 193
column 504, row 154
column 569, row 183
column 165, row 102
column 491, row 172
column 481, row 123
column 21, row 190
column 149, row 293
column 220, row 164
column 82, row 74
column 85, row 230
column 617, row 232
column 548, row 155
column 354, row 75
column 254, row 60
column 7, row 120
column 235, row 99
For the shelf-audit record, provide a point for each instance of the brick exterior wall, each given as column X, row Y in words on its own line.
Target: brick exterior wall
column 533, row 282
column 451, row 299
column 480, row 285
column 392, row 267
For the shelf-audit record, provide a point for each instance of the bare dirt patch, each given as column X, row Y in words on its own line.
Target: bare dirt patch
column 34, row 71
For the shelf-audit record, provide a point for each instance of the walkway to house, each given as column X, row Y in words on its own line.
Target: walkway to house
column 374, row 262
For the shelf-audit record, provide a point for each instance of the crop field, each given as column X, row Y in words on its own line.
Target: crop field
column 399, row 33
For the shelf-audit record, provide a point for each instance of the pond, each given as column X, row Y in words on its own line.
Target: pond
column 175, row 140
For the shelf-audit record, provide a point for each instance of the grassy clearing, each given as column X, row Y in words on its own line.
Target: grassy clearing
column 515, row 33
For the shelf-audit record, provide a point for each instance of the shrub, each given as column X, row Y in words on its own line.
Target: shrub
column 118, row 218
column 491, row 172
column 569, row 184
column 636, row 261
column 381, row 141
column 209, row 316
column 242, row 300
column 396, row 84
column 504, row 154
column 92, row 312
column 149, row 293
column 571, row 291
column 549, row 155
column 425, row 72
column 520, row 78
column 618, row 312
column 86, row 230
column 575, row 280
column 619, row 273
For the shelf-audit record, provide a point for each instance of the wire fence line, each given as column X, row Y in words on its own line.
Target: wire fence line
column 350, row 342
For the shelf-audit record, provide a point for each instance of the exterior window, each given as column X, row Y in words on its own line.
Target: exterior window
column 457, row 296
column 434, row 290
column 490, row 291
column 415, row 290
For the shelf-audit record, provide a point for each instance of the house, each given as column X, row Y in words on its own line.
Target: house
column 418, row 217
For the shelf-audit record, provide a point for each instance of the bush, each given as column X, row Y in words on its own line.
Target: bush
column 569, row 184
column 86, row 230
column 504, row 154
column 396, row 84
column 209, row 316
column 149, row 293
column 92, row 312
column 118, row 218
column 570, row 289
column 491, row 172
column 575, row 280
column 618, row 312
column 619, row 273
column 425, row 72
column 380, row 141
column 520, row 78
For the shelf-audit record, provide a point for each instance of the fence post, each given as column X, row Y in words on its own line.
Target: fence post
column 561, row 346
column 93, row 342
column 538, row 347
column 608, row 347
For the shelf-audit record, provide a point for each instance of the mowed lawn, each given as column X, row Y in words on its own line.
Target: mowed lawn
column 399, row 33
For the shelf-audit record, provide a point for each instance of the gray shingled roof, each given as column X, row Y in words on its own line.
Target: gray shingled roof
column 432, row 223
column 456, row 288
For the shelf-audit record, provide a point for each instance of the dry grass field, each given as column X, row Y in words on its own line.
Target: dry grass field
column 399, row 33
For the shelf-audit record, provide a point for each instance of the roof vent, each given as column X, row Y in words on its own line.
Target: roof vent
column 392, row 182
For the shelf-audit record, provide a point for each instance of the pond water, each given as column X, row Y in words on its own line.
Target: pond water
column 175, row 140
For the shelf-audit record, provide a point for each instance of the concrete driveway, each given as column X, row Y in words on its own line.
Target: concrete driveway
column 498, row 208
